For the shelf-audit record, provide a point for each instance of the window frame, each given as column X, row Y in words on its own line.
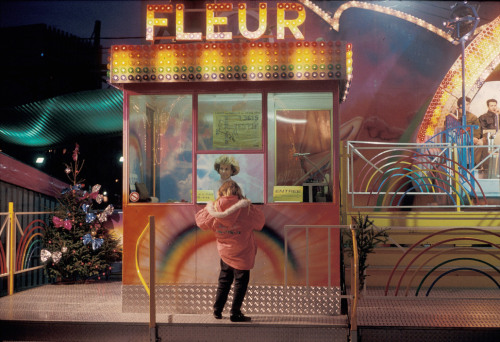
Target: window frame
column 196, row 89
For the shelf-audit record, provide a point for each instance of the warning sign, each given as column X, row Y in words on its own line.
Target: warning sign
column 134, row 196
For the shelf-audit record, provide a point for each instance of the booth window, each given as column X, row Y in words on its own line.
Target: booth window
column 229, row 122
column 160, row 147
column 249, row 175
column 300, row 145
column 230, row 129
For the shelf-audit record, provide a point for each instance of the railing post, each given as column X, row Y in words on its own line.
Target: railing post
column 344, row 181
column 354, row 285
column 286, row 259
column 457, row 180
column 11, row 249
column 153, row 333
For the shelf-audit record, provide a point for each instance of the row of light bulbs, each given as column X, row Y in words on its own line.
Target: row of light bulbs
column 482, row 56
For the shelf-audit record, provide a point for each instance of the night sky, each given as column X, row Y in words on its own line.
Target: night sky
column 397, row 65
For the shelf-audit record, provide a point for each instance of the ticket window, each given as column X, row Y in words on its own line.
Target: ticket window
column 300, row 143
column 229, row 129
column 160, row 147
column 298, row 152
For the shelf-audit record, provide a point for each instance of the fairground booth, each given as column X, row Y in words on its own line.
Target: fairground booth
column 246, row 81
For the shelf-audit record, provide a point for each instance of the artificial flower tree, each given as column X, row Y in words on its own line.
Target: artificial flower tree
column 78, row 244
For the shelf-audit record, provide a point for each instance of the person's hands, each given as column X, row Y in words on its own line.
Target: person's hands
column 478, row 141
column 454, row 109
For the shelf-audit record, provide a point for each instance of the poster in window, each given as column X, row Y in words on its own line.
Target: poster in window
column 249, row 178
column 237, row 130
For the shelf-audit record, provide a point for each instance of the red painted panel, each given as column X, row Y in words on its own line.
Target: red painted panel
column 185, row 254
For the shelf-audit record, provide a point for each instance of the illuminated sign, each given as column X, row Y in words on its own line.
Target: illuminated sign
column 215, row 20
column 190, row 59
column 262, row 61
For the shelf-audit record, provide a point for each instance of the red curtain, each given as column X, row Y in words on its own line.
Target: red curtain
column 301, row 131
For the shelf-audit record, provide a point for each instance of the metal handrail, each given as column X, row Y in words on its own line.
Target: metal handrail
column 10, row 225
column 354, row 282
column 151, row 290
column 429, row 169
column 354, row 275
column 307, row 227
column 137, row 268
column 418, row 243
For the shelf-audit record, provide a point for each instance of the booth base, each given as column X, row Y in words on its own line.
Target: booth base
column 198, row 299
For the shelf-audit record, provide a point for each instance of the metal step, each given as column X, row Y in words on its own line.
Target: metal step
column 184, row 328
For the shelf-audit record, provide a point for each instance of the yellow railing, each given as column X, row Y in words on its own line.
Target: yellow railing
column 354, row 288
column 11, row 252
column 151, row 290
column 138, row 269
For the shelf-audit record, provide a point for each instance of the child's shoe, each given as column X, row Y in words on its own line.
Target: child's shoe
column 240, row 318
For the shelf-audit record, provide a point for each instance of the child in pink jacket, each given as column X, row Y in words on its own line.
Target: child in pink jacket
column 233, row 219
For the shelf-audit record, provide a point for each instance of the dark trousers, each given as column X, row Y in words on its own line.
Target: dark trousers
column 226, row 277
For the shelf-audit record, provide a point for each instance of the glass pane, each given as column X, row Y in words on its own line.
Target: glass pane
column 300, row 144
column 160, row 147
column 229, row 122
column 247, row 171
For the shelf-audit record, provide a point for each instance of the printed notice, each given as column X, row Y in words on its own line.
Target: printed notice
column 288, row 193
column 204, row 196
column 237, row 130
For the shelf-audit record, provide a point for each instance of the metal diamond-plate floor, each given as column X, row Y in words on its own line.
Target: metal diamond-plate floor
column 94, row 312
column 445, row 315
column 449, row 308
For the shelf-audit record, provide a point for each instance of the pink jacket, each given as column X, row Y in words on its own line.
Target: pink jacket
column 233, row 222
